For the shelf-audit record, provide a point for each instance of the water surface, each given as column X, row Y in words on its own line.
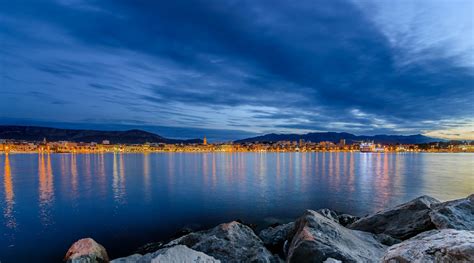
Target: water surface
column 125, row 200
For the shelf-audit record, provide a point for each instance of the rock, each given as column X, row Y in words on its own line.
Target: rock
column 402, row 222
column 182, row 253
column 86, row 250
column 387, row 240
column 230, row 242
column 274, row 237
column 174, row 254
column 316, row 238
column 447, row 245
column 331, row 260
column 343, row 219
column 130, row 259
column 149, row 248
column 346, row 219
column 457, row 214
column 328, row 213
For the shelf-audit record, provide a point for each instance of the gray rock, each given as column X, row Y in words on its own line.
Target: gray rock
column 331, row 260
column 182, row 253
column 174, row 254
column 230, row 242
column 317, row 238
column 401, row 222
column 346, row 219
column 130, row 259
column 447, row 245
column 276, row 235
column 343, row 219
column 457, row 214
column 328, row 213
column 387, row 240
column 86, row 250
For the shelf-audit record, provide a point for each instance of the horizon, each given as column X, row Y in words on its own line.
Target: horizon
column 231, row 70
column 124, row 129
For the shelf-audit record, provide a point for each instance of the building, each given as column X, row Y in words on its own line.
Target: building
column 342, row 142
column 204, row 141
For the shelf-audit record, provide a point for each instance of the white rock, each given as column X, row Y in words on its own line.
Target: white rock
column 456, row 214
column 447, row 245
column 174, row 254
column 180, row 253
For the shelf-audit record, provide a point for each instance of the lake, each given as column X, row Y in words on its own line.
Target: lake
column 123, row 201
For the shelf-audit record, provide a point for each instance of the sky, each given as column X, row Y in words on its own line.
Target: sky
column 233, row 69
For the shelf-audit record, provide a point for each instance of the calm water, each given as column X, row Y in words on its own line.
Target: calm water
column 125, row 200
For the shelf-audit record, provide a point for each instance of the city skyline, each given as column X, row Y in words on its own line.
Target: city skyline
column 230, row 70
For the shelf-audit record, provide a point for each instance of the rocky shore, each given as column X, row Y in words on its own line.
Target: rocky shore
column 422, row 230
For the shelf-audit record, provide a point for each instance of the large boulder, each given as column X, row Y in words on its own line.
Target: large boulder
column 86, row 250
column 447, row 245
column 401, row 222
column 457, row 214
column 317, row 238
column 230, row 242
column 174, row 254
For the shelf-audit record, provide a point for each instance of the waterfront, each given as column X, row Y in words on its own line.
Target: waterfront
column 125, row 200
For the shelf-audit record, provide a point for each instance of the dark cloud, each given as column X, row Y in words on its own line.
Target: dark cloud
column 255, row 65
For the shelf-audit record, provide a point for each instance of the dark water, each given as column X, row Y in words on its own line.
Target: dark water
column 125, row 200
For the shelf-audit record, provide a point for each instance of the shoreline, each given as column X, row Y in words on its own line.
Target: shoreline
column 390, row 235
column 229, row 152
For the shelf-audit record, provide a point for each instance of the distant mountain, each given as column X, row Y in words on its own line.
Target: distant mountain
column 337, row 136
column 34, row 133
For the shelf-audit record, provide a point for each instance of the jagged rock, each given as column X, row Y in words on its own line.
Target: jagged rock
column 316, row 238
column 346, row 219
column 86, row 250
column 343, row 219
column 274, row 237
column 447, row 245
column 174, row 254
column 401, row 222
column 328, row 213
column 456, row 214
column 230, row 242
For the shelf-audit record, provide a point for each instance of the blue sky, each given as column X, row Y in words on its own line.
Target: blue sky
column 232, row 69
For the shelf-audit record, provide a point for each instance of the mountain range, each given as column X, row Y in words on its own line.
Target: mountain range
column 35, row 133
column 337, row 136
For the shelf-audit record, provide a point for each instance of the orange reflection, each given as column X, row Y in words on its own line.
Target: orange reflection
column 118, row 182
column 205, row 170
column 146, row 175
column 101, row 173
column 10, row 221
column 46, row 191
column 214, row 176
column 74, row 176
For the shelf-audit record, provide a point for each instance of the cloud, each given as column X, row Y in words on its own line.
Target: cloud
column 266, row 66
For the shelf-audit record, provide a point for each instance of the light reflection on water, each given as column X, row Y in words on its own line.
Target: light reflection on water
column 126, row 200
column 10, row 221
